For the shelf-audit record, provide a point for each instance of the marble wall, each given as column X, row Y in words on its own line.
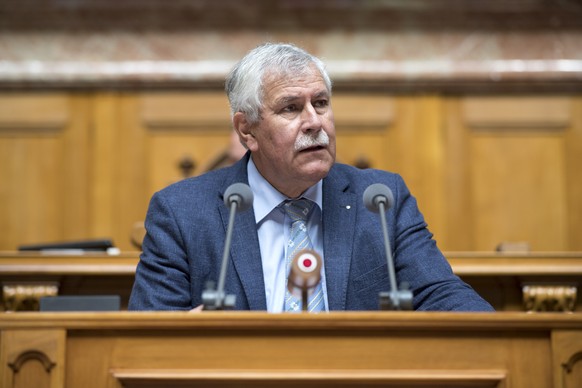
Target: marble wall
column 415, row 44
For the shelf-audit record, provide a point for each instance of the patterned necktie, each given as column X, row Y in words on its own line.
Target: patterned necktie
column 298, row 210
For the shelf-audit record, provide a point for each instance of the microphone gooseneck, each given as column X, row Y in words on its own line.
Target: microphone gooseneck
column 238, row 197
column 378, row 198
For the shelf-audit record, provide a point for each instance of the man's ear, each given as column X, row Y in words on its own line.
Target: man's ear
column 244, row 129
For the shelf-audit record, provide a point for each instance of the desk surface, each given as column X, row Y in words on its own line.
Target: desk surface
column 228, row 320
column 463, row 263
column 498, row 277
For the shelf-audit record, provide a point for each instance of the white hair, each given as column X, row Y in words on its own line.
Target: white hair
column 244, row 84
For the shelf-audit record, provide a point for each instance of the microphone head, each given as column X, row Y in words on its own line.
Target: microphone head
column 377, row 193
column 239, row 193
column 305, row 271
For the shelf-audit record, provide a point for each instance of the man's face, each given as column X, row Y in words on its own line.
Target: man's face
column 293, row 145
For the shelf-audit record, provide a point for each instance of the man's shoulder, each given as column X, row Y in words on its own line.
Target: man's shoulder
column 364, row 177
column 209, row 183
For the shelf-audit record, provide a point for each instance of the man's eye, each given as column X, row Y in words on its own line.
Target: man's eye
column 290, row 108
column 321, row 103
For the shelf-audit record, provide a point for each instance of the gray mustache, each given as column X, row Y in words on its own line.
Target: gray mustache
column 312, row 140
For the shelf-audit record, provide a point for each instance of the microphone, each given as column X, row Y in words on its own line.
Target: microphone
column 238, row 197
column 304, row 274
column 378, row 198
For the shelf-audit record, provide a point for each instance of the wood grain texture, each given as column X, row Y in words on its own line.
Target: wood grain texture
column 175, row 348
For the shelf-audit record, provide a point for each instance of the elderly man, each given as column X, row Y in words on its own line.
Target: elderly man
column 280, row 99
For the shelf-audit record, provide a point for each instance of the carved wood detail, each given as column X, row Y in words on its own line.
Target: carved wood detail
column 26, row 297
column 31, row 355
column 549, row 298
column 568, row 365
column 567, row 349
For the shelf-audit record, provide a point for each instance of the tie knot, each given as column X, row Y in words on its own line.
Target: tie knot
column 298, row 209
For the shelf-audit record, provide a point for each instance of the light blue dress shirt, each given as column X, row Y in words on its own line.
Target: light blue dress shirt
column 273, row 228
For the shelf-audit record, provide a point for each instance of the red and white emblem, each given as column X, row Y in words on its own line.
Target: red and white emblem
column 307, row 262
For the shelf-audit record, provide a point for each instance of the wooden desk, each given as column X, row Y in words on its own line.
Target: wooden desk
column 90, row 274
column 254, row 349
column 497, row 277
column 501, row 278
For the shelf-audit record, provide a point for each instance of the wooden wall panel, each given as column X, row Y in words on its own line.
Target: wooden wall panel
column 417, row 149
column 573, row 157
column 43, row 168
column 182, row 127
column 363, row 123
column 484, row 169
column 459, row 217
column 517, row 112
column 507, row 172
column 105, row 161
column 518, row 191
column 119, row 185
column 139, row 140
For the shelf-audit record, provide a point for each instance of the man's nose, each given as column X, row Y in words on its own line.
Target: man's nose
column 311, row 119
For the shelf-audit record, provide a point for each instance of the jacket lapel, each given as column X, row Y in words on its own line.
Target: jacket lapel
column 339, row 214
column 245, row 251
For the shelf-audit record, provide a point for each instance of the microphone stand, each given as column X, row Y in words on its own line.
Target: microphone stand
column 304, row 299
column 238, row 197
column 378, row 198
column 394, row 299
column 221, row 299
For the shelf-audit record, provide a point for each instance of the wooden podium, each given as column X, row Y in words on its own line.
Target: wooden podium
column 256, row 349
column 500, row 278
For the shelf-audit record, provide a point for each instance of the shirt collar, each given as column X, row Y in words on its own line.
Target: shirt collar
column 268, row 198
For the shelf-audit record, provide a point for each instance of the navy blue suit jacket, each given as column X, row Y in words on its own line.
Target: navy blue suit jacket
column 186, row 227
